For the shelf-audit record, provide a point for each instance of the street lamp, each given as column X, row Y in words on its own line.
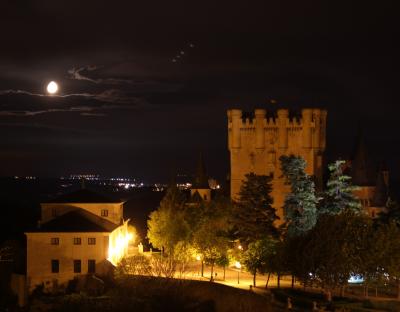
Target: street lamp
column 238, row 266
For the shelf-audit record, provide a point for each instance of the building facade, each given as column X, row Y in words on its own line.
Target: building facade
column 256, row 141
column 72, row 239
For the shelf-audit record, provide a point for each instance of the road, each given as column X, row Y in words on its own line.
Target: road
column 233, row 277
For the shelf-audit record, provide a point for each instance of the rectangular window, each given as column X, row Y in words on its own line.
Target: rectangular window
column 91, row 241
column 77, row 241
column 55, row 241
column 77, row 266
column 54, row 212
column 55, row 266
column 91, row 266
column 104, row 213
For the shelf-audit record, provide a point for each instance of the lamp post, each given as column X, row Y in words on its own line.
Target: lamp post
column 238, row 266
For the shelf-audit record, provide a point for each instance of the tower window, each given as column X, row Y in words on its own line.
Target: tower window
column 55, row 241
column 77, row 266
column 91, row 241
column 104, row 212
column 77, row 241
column 55, row 266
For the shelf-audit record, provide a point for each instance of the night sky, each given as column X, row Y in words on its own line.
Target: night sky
column 129, row 106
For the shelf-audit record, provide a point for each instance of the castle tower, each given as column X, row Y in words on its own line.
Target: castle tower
column 256, row 143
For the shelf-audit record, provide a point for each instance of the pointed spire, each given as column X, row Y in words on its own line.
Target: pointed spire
column 200, row 180
column 362, row 169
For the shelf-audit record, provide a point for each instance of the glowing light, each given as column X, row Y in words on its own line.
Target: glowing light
column 198, row 257
column 238, row 265
column 356, row 279
column 240, row 247
column 118, row 243
column 52, row 87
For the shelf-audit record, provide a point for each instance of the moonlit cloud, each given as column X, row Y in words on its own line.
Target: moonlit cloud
column 89, row 104
column 81, row 73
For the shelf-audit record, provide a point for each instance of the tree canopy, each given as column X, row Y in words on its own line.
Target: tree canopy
column 300, row 207
column 253, row 215
column 339, row 194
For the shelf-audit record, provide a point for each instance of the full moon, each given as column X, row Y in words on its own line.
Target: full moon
column 52, row 87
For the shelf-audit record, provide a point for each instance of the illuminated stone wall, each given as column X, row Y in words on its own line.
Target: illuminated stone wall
column 256, row 143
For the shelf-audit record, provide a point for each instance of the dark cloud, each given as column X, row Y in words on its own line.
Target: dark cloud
column 113, row 62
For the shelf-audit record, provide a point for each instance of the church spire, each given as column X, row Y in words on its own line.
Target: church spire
column 362, row 170
column 200, row 180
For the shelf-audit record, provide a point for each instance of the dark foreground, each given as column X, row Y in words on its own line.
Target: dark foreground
column 157, row 294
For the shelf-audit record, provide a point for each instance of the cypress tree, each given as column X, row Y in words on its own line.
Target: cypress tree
column 253, row 214
column 339, row 193
column 300, row 207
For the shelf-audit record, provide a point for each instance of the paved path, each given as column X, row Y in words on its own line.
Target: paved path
column 234, row 277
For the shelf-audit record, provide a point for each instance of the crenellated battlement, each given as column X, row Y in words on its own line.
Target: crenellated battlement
column 257, row 140
column 312, row 122
column 308, row 116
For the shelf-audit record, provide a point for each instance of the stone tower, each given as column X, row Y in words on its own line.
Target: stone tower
column 256, row 143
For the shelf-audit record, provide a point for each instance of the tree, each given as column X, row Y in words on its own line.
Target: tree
column 375, row 247
column 135, row 265
column 211, row 241
column 253, row 215
column 300, row 208
column 339, row 194
column 183, row 254
column 392, row 213
column 257, row 256
column 223, row 261
column 167, row 225
column 390, row 258
column 336, row 244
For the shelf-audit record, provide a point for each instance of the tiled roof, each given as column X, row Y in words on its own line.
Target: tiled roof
column 78, row 220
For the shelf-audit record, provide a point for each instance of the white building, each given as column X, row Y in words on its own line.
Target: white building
column 72, row 238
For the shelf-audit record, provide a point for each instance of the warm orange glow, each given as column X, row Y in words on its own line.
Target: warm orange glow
column 118, row 243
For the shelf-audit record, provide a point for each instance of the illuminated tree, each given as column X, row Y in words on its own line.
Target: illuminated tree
column 253, row 214
column 258, row 255
column 135, row 265
column 300, row 208
column 339, row 194
column 211, row 241
column 167, row 225
column 183, row 254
